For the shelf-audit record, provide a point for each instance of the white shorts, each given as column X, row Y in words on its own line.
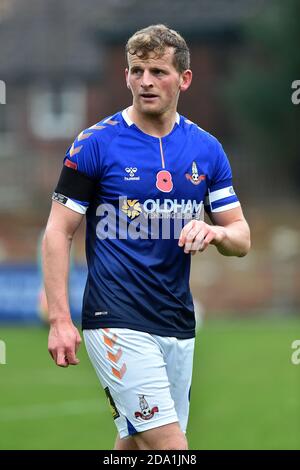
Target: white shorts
column 146, row 378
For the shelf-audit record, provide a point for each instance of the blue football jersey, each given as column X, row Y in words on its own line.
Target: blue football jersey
column 147, row 189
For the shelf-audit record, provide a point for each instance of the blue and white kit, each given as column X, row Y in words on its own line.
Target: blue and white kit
column 143, row 282
column 138, row 314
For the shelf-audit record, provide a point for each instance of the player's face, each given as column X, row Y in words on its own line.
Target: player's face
column 155, row 83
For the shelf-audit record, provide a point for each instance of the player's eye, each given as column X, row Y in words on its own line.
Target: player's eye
column 136, row 71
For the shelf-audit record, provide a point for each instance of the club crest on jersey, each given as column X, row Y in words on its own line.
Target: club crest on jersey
column 146, row 412
column 195, row 178
column 131, row 171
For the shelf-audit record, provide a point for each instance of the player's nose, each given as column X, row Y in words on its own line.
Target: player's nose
column 147, row 81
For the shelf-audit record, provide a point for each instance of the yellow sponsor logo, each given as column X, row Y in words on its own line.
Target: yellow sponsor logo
column 132, row 208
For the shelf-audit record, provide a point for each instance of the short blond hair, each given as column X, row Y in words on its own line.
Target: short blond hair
column 156, row 38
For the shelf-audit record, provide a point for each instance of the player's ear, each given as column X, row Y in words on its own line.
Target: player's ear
column 185, row 80
column 126, row 78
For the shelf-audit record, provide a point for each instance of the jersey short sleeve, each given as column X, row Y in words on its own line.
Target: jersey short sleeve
column 83, row 170
column 220, row 192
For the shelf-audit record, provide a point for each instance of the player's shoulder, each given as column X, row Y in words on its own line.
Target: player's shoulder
column 198, row 132
column 103, row 130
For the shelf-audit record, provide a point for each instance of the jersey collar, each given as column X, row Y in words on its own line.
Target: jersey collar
column 129, row 122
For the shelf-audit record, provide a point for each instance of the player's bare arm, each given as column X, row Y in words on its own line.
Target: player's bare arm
column 230, row 234
column 64, row 338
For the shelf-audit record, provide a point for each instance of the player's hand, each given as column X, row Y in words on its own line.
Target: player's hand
column 63, row 343
column 197, row 235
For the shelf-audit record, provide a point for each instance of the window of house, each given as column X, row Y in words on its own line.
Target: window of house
column 57, row 112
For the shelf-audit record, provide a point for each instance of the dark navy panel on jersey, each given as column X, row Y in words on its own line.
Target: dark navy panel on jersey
column 138, row 277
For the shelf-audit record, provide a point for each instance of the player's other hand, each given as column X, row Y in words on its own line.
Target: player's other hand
column 63, row 343
column 196, row 235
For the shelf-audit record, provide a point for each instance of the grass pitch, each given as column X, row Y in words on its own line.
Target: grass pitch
column 245, row 392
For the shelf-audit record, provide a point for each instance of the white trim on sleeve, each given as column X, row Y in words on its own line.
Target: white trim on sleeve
column 75, row 206
column 227, row 207
column 69, row 203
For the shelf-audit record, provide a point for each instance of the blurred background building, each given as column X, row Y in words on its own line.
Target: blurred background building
column 63, row 65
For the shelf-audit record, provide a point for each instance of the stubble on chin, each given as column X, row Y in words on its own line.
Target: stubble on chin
column 151, row 111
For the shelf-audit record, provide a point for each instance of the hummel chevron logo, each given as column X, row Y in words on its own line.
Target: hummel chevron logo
column 115, row 357
column 119, row 373
column 114, row 353
column 75, row 150
column 97, row 127
column 83, row 136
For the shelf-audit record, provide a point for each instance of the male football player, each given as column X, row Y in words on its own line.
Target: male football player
column 141, row 177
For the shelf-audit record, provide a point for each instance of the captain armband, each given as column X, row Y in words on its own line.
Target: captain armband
column 74, row 190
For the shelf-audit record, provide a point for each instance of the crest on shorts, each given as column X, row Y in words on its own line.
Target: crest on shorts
column 146, row 412
column 195, row 178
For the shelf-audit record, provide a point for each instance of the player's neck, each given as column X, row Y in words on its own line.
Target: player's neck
column 157, row 126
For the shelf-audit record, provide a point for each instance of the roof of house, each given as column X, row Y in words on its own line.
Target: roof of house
column 193, row 18
column 65, row 38
column 41, row 38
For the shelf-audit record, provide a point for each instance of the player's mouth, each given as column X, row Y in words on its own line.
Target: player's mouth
column 148, row 96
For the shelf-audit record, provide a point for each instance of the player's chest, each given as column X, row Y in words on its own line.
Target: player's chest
column 159, row 169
